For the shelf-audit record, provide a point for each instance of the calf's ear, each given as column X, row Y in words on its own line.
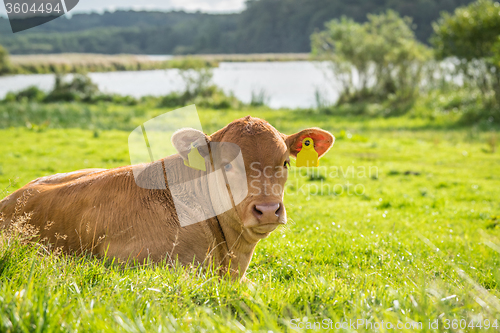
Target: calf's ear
column 184, row 139
column 323, row 141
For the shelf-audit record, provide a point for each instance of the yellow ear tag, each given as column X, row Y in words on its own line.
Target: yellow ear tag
column 196, row 161
column 307, row 157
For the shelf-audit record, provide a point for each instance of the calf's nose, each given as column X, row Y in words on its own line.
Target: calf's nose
column 268, row 213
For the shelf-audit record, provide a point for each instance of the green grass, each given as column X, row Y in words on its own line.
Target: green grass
column 419, row 243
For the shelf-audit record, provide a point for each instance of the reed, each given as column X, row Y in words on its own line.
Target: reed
column 82, row 63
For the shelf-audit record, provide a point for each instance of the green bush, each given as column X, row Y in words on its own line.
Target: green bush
column 172, row 100
column 210, row 97
column 215, row 98
column 80, row 88
column 472, row 34
column 387, row 59
column 199, row 90
column 30, row 94
column 114, row 98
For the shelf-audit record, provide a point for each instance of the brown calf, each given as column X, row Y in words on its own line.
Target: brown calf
column 105, row 212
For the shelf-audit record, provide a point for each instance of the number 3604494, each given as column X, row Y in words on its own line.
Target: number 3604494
column 26, row 8
column 463, row 324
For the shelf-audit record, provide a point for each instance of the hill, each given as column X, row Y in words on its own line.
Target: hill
column 265, row 26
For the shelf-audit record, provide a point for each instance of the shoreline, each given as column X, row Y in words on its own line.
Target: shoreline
column 90, row 62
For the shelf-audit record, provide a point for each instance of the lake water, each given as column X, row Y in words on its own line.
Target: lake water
column 286, row 84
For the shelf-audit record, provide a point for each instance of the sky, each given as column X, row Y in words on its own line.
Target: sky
column 213, row 6
column 188, row 5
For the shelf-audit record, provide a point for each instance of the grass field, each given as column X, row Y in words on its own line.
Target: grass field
column 413, row 239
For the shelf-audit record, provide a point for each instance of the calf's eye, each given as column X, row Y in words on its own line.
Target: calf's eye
column 286, row 164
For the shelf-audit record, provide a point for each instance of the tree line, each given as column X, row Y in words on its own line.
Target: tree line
column 392, row 69
column 265, row 26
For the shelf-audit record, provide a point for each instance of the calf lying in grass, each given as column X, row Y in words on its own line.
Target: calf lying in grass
column 107, row 213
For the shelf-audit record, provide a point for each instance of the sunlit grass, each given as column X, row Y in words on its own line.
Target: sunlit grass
column 417, row 242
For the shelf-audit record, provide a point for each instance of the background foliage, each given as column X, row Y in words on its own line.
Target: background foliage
column 472, row 36
column 4, row 61
column 386, row 58
column 265, row 26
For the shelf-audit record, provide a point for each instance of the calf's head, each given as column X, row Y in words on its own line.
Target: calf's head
column 262, row 172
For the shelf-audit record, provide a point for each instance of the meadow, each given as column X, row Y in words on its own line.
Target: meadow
column 415, row 238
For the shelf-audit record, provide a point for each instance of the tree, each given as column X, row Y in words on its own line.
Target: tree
column 264, row 26
column 472, row 34
column 375, row 60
